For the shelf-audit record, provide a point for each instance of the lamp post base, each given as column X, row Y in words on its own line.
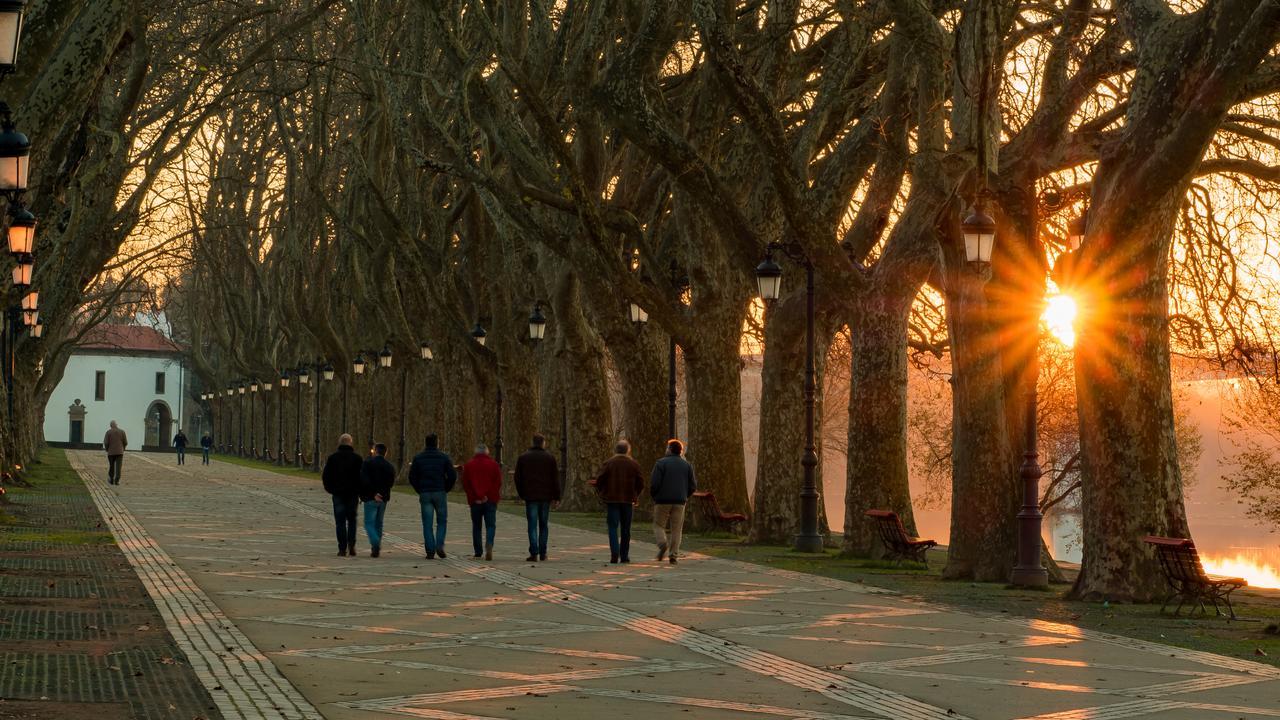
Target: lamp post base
column 1037, row 578
column 809, row 543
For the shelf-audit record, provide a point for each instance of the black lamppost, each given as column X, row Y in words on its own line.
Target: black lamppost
column 357, row 369
column 285, row 378
column 253, row 420
column 230, row 446
column 240, row 403
column 15, row 163
column 480, row 335
column 537, row 333
column 266, row 423
column 769, row 279
column 639, row 317
column 425, row 354
column 326, row 372
column 304, row 377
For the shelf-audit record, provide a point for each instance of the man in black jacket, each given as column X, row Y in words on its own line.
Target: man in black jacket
column 538, row 484
column 342, row 480
column 432, row 475
column 376, row 478
column 671, row 486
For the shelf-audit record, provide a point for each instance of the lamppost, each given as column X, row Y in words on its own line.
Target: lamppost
column 639, row 317
column 769, row 280
column 357, row 369
column 304, row 377
column 326, row 372
column 537, row 333
column 480, row 335
column 425, row 354
column 266, row 424
column 231, row 420
column 284, row 385
column 253, row 420
column 15, row 164
column 240, row 403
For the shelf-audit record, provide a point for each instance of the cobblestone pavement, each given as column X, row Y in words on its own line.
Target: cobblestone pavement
column 79, row 637
column 244, row 562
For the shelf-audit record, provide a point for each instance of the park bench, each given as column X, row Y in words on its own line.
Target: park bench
column 715, row 516
column 1187, row 579
column 897, row 543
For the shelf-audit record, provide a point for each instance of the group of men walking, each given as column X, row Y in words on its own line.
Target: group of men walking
column 351, row 480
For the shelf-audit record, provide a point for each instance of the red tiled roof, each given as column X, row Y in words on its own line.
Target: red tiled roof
column 127, row 338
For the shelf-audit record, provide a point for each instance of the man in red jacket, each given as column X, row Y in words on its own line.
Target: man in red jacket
column 482, row 481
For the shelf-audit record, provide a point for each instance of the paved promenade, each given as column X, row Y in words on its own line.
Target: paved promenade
column 242, row 565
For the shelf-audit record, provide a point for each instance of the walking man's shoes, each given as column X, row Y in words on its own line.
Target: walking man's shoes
column 342, row 552
column 488, row 551
column 613, row 560
column 440, row 552
column 662, row 551
column 375, row 552
column 673, row 559
column 531, row 558
column 352, row 551
column 543, row 557
column 626, row 560
column 477, row 556
column 431, row 554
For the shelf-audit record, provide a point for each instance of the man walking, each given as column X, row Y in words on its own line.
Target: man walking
column 619, row 483
column 432, row 475
column 482, row 481
column 377, row 476
column 671, row 485
column 341, row 479
column 180, row 444
column 538, row 485
column 114, row 442
column 206, row 444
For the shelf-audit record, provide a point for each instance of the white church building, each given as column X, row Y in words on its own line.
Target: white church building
column 132, row 374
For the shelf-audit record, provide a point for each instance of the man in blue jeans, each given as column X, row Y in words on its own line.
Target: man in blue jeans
column 432, row 476
column 377, row 476
column 618, row 484
column 538, row 485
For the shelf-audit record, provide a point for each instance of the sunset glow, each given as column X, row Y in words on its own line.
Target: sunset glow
column 1242, row 566
column 1060, row 317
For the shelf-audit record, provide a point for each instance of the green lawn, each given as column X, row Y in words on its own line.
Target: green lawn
column 26, row 510
column 1256, row 636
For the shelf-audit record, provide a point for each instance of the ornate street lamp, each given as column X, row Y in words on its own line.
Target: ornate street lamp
column 10, row 34
column 304, row 377
column 1076, row 230
column 979, row 236
column 284, row 385
column 15, row 156
column 357, row 365
column 253, row 420
column 22, row 271
column 479, row 334
column 537, row 323
column 37, row 331
column 384, row 357
column 328, row 372
column 22, row 231
column 769, row 280
column 424, row 351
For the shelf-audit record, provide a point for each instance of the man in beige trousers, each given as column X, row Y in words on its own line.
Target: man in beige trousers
column 671, row 485
column 114, row 442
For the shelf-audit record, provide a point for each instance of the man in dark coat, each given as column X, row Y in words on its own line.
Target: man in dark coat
column 432, row 475
column 206, row 444
column 671, row 486
column 342, row 480
column 377, row 476
column 538, row 485
column 618, row 484
column 180, row 444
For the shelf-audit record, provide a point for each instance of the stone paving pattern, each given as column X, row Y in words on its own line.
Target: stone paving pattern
column 242, row 561
column 79, row 636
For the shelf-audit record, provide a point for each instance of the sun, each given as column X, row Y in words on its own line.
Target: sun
column 1060, row 318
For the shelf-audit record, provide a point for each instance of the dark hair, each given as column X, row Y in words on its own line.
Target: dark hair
column 539, row 440
column 380, row 449
column 433, row 440
column 675, row 447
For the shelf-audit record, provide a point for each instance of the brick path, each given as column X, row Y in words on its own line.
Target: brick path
column 79, row 636
column 314, row 635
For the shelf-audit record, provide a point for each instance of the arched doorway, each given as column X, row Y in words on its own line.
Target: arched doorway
column 159, row 424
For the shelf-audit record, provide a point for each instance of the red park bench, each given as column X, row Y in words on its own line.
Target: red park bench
column 897, row 543
column 716, row 517
column 1187, row 579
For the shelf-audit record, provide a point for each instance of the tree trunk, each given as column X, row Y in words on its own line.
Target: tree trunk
column 779, row 474
column 876, row 474
column 984, row 494
column 1132, row 484
column 714, row 384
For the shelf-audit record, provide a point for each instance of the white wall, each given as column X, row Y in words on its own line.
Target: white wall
column 130, row 390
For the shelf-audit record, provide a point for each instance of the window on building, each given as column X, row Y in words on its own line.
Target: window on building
column 159, row 383
column 100, row 385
